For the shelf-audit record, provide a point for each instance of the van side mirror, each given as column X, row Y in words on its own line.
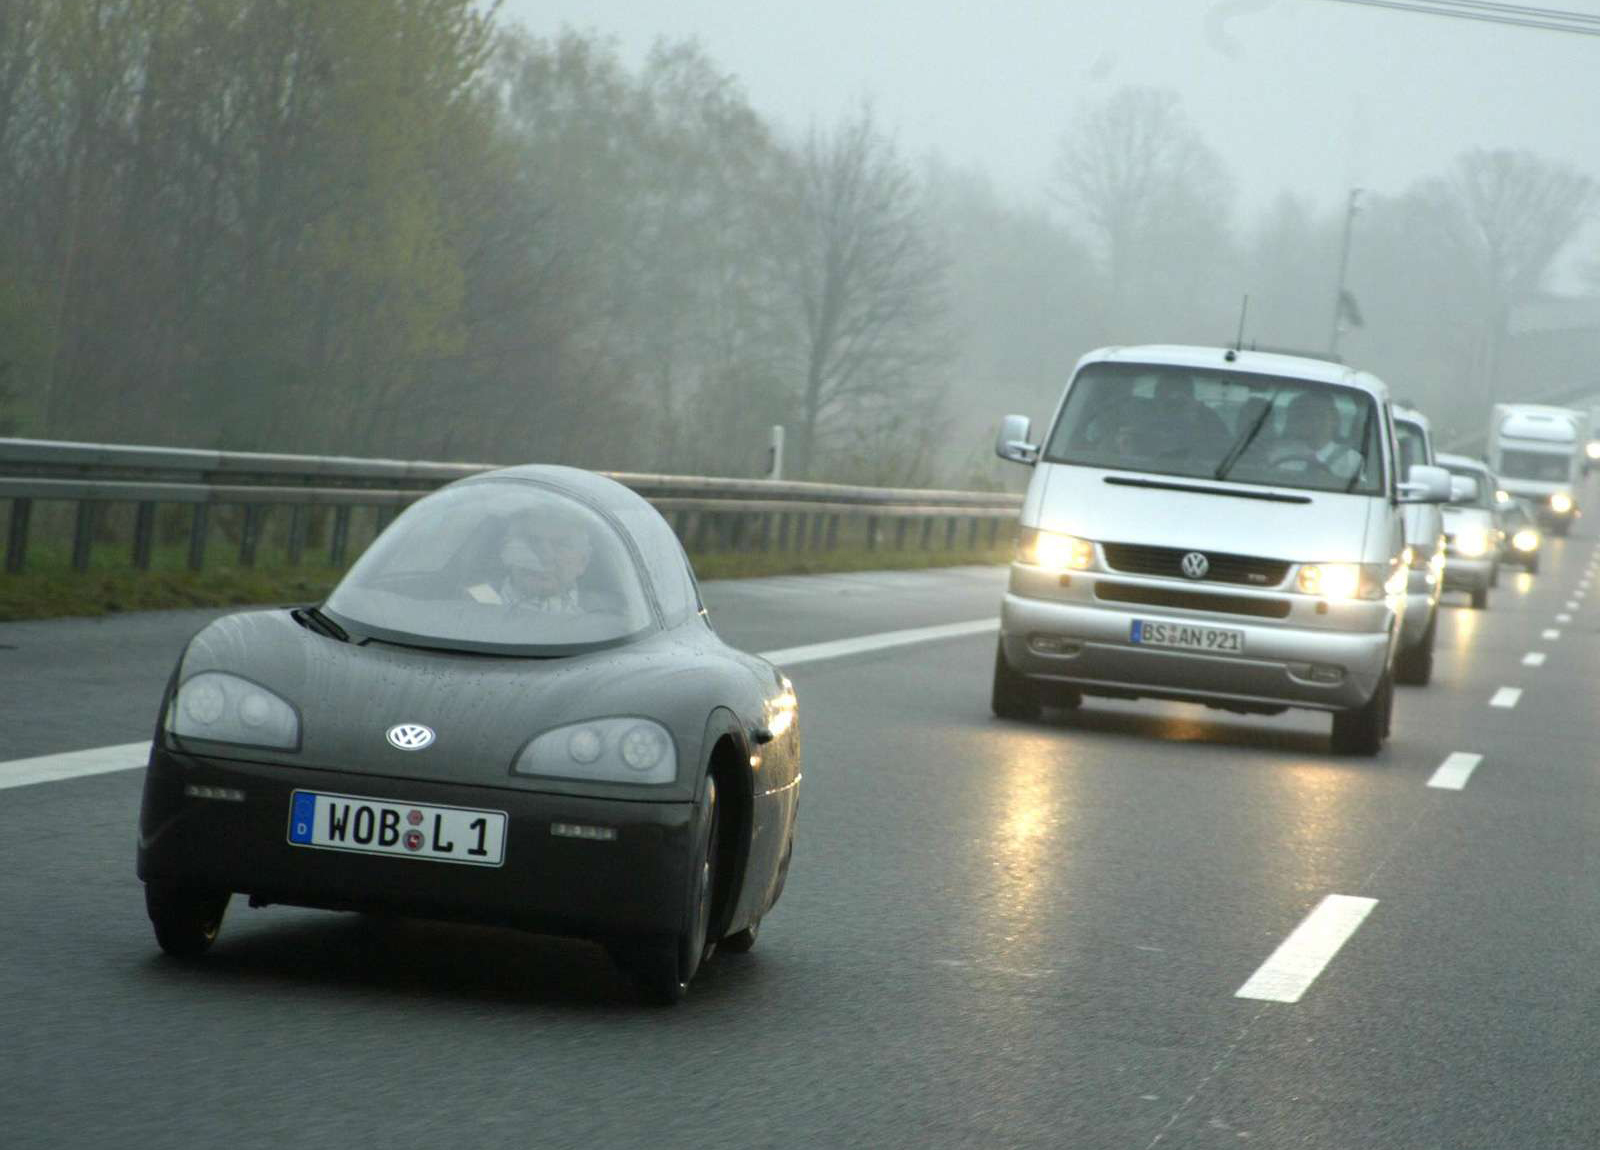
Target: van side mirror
column 1463, row 490
column 1012, row 442
column 1426, row 484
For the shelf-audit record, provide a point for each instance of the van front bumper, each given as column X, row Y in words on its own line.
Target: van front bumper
column 1094, row 653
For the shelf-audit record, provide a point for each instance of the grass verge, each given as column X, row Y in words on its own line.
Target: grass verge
column 54, row 593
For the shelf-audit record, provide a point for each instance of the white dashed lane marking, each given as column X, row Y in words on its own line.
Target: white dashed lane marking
column 1550, row 633
column 73, row 764
column 1301, row 957
column 1454, row 772
column 1506, row 697
column 1533, row 659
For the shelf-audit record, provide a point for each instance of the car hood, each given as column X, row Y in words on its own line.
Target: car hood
column 483, row 710
column 1232, row 518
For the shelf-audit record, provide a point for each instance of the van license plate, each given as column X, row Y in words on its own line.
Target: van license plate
column 1186, row 637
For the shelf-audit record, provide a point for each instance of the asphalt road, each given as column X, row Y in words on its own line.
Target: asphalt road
column 994, row 934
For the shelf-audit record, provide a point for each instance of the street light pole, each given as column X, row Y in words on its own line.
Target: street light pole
column 1344, row 266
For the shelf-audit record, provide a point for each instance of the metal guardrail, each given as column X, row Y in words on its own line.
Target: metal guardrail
column 708, row 512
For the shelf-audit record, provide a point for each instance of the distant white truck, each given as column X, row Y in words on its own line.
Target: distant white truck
column 1539, row 454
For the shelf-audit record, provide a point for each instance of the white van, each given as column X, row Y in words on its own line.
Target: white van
column 1538, row 452
column 1215, row 526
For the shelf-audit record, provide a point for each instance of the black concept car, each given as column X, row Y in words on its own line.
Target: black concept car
column 512, row 710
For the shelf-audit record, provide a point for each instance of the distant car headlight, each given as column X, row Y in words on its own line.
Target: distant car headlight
column 617, row 750
column 1502, row 496
column 228, row 709
column 1593, row 449
column 1526, row 540
column 1561, row 503
column 1054, row 552
column 1472, row 542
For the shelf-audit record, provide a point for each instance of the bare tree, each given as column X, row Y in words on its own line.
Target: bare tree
column 1512, row 213
column 1153, row 195
column 865, row 279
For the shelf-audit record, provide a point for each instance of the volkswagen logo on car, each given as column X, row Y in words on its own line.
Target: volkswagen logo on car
column 1195, row 565
column 410, row 736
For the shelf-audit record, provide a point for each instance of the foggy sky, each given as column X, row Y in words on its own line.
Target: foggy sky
column 1305, row 95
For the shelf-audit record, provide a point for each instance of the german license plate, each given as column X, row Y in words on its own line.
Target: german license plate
column 1186, row 636
column 409, row 830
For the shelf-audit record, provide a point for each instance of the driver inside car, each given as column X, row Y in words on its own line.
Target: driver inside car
column 542, row 558
column 1311, row 435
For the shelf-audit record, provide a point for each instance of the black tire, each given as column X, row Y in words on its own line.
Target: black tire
column 186, row 921
column 1494, row 576
column 1414, row 666
column 1480, row 598
column 1560, row 527
column 1361, row 730
column 1013, row 695
column 1532, row 565
column 662, row 968
column 741, row 942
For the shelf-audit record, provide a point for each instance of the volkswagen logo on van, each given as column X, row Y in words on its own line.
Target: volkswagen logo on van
column 1195, row 565
column 410, row 736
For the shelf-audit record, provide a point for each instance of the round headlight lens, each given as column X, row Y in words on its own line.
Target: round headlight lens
column 203, row 701
column 255, row 709
column 1561, row 503
column 642, row 747
column 585, row 745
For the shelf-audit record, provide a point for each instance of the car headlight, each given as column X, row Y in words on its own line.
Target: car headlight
column 1332, row 580
column 228, row 709
column 1472, row 542
column 1054, row 552
column 1526, row 540
column 1502, row 496
column 1561, row 503
column 1593, row 449
column 618, row 750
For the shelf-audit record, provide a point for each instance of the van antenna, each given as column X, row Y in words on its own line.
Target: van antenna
column 1238, row 343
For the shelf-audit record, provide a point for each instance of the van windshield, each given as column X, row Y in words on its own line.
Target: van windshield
column 1537, row 466
column 1207, row 424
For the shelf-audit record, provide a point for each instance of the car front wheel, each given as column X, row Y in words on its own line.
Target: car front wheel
column 186, row 921
column 1361, row 730
column 1414, row 667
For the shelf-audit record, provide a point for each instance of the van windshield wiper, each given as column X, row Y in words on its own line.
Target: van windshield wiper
column 1243, row 444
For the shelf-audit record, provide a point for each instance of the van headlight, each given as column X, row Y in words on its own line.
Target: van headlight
column 228, row 709
column 1472, row 542
column 1593, row 449
column 1053, row 551
column 1526, row 540
column 1351, row 580
column 1561, row 503
column 616, row 750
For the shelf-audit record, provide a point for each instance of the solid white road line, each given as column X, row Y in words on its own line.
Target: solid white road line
column 1533, row 659
column 816, row 652
column 1294, row 966
column 129, row 756
column 1506, row 697
column 1550, row 633
column 1454, row 772
column 73, row 764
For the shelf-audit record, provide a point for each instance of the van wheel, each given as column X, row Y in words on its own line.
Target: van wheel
column 1480, row 599
column 1414, row 667
column 1014, row 696
column 1532, row 565
column 1361, row 730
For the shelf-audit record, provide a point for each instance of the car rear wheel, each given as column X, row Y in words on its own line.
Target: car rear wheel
column 1361, row 730
column 1013, row 695
column 1414, row 667
column 186, row 921
column 663, row 967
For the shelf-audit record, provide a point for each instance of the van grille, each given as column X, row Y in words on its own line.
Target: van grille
column 1246, row 570
column 1191, row 600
